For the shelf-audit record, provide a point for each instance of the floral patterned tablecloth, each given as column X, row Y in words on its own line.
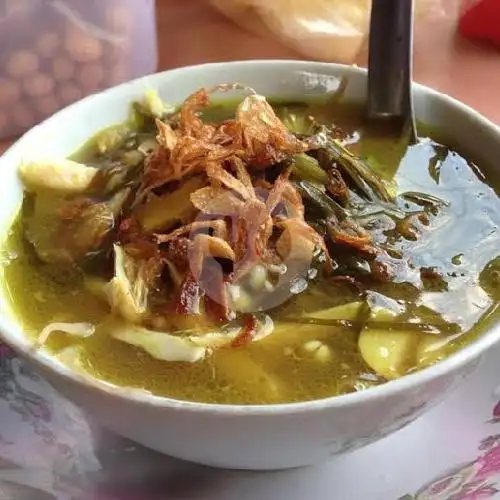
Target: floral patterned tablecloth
column 50, row 450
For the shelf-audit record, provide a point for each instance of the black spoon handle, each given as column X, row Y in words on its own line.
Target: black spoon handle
column 390, row 61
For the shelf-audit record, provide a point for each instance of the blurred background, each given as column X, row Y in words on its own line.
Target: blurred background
column 54, row 52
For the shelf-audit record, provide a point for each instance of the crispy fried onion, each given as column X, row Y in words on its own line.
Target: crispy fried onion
column 242, row 233
column 241, row 222
column 188, row 145
column 348, row 232
column 337, row 186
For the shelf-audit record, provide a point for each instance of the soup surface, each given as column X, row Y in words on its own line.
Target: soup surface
column 253, row 263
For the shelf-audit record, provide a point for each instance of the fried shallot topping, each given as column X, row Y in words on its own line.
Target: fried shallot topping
column 219, row 200
column 241, row 218
column 188, row 145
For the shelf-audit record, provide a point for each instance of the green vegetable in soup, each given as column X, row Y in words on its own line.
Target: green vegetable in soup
column 306, row 167
column 238, row 252
column 69, row 231
column 490, row 279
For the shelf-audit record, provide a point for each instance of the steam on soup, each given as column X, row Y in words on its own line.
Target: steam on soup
column 239, row 252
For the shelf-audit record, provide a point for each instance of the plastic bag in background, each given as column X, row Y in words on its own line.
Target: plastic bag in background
column 326, row 30
column 54, row 52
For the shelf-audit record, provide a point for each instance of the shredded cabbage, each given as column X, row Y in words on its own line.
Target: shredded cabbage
column 56, row 174
column 82, row 330
column 127, row 291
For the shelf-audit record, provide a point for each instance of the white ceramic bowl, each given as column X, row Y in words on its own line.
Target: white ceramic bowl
column 245, row 437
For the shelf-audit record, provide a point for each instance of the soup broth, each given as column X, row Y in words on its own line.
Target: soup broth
column 367, row 321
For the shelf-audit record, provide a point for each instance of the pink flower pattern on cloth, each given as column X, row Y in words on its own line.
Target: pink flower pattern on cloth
column 54, row 457
column 45, row 443
column 472, row 481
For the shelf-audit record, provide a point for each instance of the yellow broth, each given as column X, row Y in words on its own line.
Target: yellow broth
column 463, row 242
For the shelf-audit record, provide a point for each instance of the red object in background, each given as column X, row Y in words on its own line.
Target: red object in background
column 481, row 20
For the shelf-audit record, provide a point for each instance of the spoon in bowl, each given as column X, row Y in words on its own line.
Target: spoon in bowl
column 390, row 103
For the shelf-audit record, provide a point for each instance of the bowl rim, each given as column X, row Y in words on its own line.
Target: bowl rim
column 457, row 360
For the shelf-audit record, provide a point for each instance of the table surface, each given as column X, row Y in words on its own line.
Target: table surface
column 443, row 60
